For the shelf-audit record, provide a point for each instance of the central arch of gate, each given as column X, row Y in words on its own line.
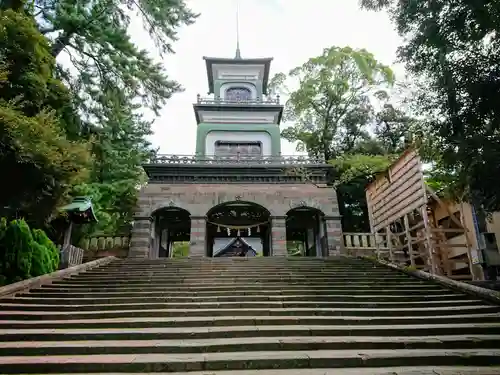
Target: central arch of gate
column 238, row 228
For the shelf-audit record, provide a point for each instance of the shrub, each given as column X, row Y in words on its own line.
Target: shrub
column 3, row 228
column 51, row 249
column 25, row 253
column 18, row 245
column 40, row 262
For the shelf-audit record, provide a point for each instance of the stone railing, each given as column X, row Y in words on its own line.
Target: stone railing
column 248, row 160
column 101, row 246
column 381, row 246
column 259, row 101
column 105, row 242
column 366, row 244
column 70, row 256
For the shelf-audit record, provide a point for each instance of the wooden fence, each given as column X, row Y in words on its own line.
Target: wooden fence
column 70, row 256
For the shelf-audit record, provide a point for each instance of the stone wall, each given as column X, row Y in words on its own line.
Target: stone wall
column 199, row 199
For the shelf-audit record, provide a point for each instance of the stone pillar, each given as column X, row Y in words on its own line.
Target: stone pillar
column 320, row 251
column 333, row 235
column 140, row 237
column 278, row 236
column 197, row 244
column 155, row 240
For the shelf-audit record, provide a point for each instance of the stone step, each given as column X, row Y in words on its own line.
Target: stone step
column 433, row 370
column 267, row 263
column 76, row 313
column 181, row 333
column 188, row 282
column 28, row 298
column 221, row 280
column 333, row 292
column 14, row 304
column 234, row 268
column 30, row 348
column 238, row 275
column 221, row 316
column 269, row 289
column 273, row 273
column 243, row 296
column 227, row 285
column 190, row 322
column 247, row 360
column 227, row 301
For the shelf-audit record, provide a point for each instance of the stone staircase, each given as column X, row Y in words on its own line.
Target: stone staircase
column 247, row 316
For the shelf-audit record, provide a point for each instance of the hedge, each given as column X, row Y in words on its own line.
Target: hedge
column 25, row 253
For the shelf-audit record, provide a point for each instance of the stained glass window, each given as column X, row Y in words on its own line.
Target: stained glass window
column 238, row 94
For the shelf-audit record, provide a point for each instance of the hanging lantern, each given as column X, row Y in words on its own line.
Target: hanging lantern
column 258, row 228
column 218, row 229
column 238, row 233
column 249, row 231
column 228, row 231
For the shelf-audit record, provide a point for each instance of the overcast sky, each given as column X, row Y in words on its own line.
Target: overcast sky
column 290, row 34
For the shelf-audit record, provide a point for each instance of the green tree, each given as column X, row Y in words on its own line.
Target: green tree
column 393, row 129
column 331, row 105
column 18, row 244
column 95, row 36
column 110, row 77
column 453, row 48
column 119, row 148
column 38, row 154
column 354, row 172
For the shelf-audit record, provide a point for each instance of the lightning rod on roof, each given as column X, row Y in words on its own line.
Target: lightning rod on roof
column 238, row 52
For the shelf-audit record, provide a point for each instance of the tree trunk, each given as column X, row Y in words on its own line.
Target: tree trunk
column 60, row 43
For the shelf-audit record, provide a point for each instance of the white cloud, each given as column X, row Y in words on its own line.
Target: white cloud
column 290, row 31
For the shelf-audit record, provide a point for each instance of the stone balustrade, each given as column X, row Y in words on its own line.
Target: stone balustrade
column 284, row 160
column 236, row 101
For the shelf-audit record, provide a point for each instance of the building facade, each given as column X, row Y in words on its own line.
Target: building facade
column 237, row 184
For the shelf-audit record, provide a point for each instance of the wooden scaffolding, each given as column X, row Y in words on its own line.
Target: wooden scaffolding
column 403, row 224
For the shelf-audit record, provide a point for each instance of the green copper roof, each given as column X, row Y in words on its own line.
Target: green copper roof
column 80, row 210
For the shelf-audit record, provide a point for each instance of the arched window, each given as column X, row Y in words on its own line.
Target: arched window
column 238, row 94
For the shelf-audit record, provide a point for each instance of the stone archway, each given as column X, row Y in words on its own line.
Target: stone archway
column 170, row 226
column 238, row 228
column 306, row 232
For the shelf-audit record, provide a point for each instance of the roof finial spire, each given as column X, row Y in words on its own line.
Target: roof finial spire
column 238, row 52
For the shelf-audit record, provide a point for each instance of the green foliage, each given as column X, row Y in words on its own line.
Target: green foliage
column 119, row 148
column 3, row 250
column 112, row 79
column 41, row 262
column 51, row 250
column 18, row 243
column 294, row 248
column 453, row 48
column 334, row 116
column 180, row 249
column 354, row 172
column 95, row 37
column 25, row 253
column 37, row 154
column 331, row 106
